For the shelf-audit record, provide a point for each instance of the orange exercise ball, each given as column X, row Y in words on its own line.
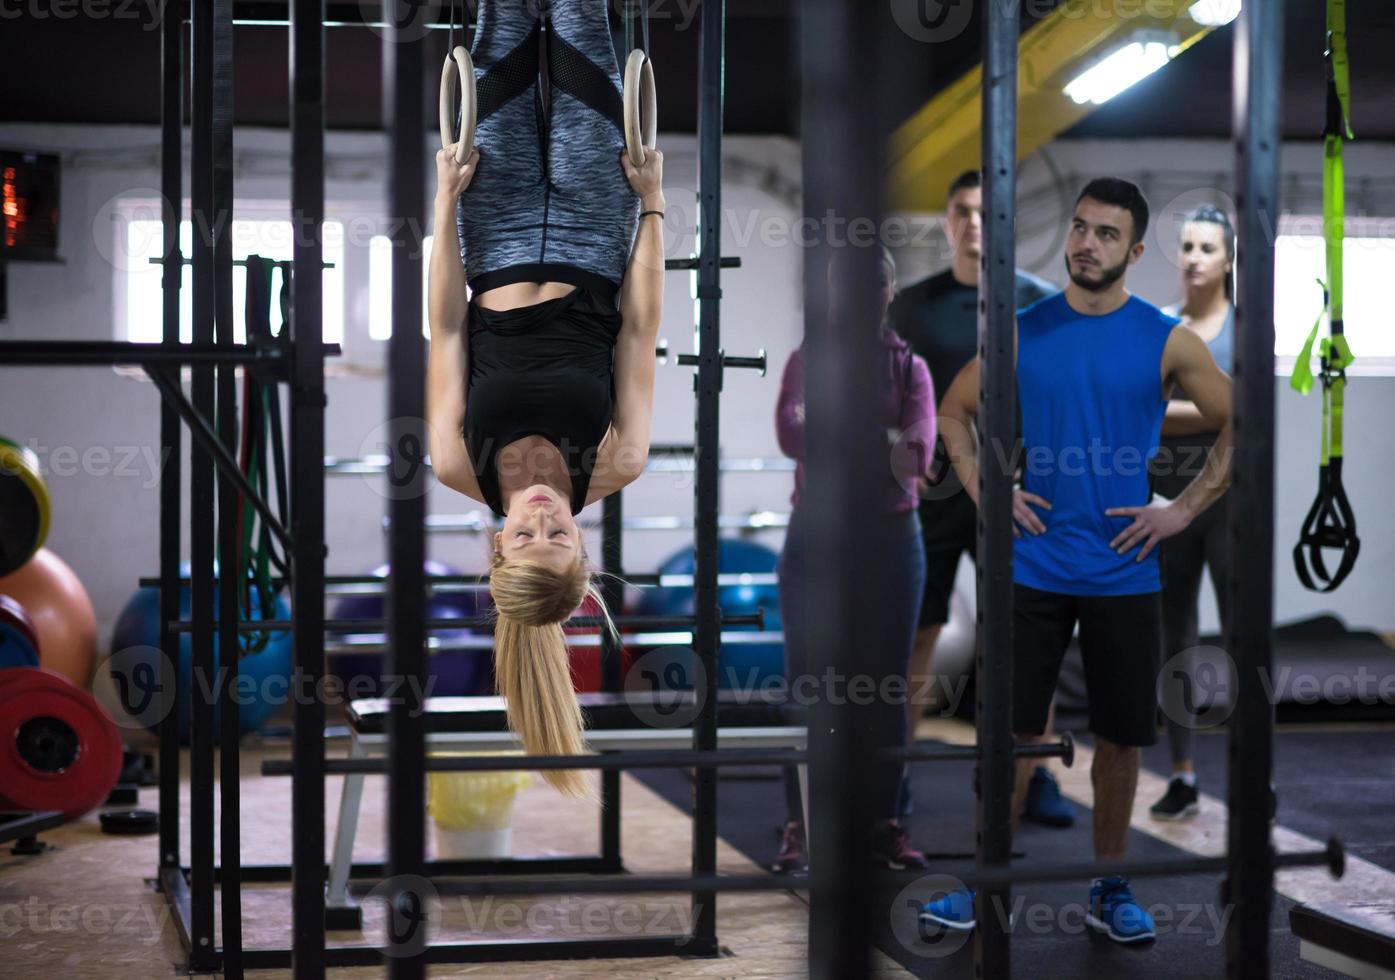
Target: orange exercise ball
column 62, row 613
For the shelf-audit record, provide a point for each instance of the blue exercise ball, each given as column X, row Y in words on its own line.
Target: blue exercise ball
column 263, row 676
column 19, row 639
column 453, row 668
column 742, row 666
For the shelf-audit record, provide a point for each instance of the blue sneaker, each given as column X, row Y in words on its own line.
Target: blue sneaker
column 1114, row 912
column 953, row 910
column 1045, row 804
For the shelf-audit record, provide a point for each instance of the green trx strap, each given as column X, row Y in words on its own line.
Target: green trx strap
column 1330, row 522
column 261, row 427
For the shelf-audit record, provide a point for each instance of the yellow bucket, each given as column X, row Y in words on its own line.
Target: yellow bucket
column 473, row 811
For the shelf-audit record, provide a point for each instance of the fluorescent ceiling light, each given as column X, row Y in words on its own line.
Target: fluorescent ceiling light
column 1214, row 13
column 1130, row 64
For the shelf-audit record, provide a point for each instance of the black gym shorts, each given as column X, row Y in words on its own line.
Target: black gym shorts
column 948, row 528
column 1120, row 645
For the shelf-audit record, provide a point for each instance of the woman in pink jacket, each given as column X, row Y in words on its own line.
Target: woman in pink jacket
column 908, row 414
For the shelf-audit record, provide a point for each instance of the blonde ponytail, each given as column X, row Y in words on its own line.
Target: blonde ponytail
column 531, row 665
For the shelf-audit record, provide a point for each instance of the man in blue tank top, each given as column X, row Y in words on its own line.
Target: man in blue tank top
column 1095, row 365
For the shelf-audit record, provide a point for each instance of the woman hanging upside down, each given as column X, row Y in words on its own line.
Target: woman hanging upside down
column 541, row 383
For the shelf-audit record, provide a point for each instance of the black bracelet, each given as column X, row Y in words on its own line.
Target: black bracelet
column 645, row 214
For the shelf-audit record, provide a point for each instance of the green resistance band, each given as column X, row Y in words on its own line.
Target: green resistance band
column 1330, row 522
column 256, row 560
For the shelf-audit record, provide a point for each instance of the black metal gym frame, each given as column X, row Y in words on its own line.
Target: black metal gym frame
column 406, row 595
column 228, row 423
column 843, row 153
column 307, row 449
column 1250, row 858
column 997, row 311
column 707, row 385
column 169, row 872
column 206, row 213
column 1249, row 881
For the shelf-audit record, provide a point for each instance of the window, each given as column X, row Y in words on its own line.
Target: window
column 1300, row 261
column 140, row 317
column 380, row 286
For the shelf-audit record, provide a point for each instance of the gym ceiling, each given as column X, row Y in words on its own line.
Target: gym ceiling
column 61, row 70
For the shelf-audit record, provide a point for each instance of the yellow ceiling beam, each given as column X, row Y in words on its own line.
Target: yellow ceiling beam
column 942, row 139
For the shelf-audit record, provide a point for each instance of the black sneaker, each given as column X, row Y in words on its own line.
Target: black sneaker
column 1178, row 803
column 891, row 846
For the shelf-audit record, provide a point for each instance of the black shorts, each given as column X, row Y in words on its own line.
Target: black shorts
column 948, row 528
column 1120, row 646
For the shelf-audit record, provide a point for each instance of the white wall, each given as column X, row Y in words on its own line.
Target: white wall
column 105, row 518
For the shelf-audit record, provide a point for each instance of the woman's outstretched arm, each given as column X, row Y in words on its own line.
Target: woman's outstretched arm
column 641, row 306
column 448, row 314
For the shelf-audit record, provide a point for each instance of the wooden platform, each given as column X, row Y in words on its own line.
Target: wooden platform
column 86, row 908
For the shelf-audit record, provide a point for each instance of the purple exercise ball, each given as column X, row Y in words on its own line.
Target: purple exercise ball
column 452, row 668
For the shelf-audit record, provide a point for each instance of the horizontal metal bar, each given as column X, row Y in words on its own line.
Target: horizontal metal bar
column 635, row 759
column 754, row 464
column 758, row 362
column 361, row 871
column 377, row 585
column 478, row 523
column 491, row 951
column 371, row 464
column 649, row 759
column 85, row 353
column 377, row 642
column 630, row 759
column 270, row 13
column 481, row 622
column 690, row 264
column 629, row 884
column 240, row 263
column 760, row 520
column 21, row 825
column 1064, row 749
column 1332, row 857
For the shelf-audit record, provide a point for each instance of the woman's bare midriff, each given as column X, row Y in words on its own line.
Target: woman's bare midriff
column 517, row 295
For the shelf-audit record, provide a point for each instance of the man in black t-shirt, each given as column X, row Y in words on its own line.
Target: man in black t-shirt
column 938, row 317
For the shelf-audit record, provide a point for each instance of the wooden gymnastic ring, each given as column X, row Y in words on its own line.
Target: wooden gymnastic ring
column 641, row 107
column 458, row 66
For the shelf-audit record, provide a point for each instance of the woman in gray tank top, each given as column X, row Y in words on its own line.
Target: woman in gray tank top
column 1206, row 256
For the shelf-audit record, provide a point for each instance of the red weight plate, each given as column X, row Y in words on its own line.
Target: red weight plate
column 58, row 749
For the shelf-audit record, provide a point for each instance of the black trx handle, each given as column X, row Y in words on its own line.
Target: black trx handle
column 1331, row 525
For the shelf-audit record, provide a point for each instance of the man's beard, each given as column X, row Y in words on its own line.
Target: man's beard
column 1108, row 277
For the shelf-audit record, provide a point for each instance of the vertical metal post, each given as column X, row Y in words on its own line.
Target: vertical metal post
column 843, row 191
column 707, row 436
column 406, row 598
column 613, row 564
column 202, row 956
column 997, row 424
column 1249, row 633
column 229, row 772
column 171, row 436
column 307, row 486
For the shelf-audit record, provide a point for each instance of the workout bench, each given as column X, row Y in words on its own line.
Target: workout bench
column 1355, row 940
